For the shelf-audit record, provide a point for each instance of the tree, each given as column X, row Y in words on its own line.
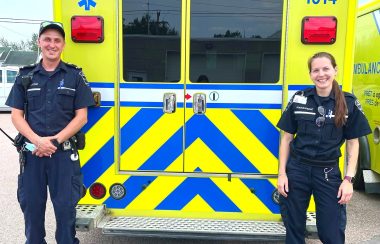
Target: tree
column 32, row 44
column 27, row 45
column 148, row 26
column 229, row 34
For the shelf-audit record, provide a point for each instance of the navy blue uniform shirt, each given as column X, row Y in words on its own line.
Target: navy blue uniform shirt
column 52, row 97
column 321, row 143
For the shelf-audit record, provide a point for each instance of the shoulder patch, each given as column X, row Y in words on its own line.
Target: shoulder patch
column 292, row 99
column 359, row 106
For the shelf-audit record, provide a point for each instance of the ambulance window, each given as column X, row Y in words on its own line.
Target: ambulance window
column 11, row 76
column 235, row 41
column 1, row 76
column 151, row 40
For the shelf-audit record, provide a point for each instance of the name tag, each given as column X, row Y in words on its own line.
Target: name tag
column 300, row 99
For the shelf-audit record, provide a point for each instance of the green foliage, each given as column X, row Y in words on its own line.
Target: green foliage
column 27, row 45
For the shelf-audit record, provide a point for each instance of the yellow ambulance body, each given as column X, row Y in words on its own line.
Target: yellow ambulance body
column 184, row 142
column 366, row 86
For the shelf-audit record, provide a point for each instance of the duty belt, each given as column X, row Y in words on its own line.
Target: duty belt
column 65, row 146
column 312, row 162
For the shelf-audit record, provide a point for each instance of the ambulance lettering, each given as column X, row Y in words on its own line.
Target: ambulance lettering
column 321, row 1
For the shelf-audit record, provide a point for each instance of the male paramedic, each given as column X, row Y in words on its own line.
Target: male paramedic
column 57, row 97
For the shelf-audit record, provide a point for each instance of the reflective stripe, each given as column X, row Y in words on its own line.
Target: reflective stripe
column 34, row 89
column 302, row 112
column 65, row 88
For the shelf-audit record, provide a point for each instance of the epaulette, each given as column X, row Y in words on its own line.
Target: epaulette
column 29, row 66
column 347, row 94
column 73, row 66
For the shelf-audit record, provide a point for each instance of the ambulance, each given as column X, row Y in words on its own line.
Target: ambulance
column 183, row 141
column 366, row 86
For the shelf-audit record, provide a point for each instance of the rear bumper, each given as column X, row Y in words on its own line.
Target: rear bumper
column 90, row 217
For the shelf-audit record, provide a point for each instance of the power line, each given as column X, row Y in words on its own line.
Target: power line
column 18, row 33
column 20, row 21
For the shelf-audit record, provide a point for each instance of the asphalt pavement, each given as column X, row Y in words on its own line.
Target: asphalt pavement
column 363, row 211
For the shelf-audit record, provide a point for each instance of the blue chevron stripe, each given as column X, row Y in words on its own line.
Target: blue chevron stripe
column 94, row 115
column 203, row 187
column 166, row 154
column 138, row 125
column 201, row 127
column 98, row 163
column 130, row 132
column 263, row 189
column 261, row 127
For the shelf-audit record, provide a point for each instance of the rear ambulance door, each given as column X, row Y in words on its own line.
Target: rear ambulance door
column 152, row 87
column 233, row 86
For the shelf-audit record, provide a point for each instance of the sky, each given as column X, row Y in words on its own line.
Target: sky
column 35, row 10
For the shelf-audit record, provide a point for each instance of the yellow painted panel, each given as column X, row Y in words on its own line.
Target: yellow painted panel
column 244, row 140
column 157, row 191
column 197, row 204
column 151, row 141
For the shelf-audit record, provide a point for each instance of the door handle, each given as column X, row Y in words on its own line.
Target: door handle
column 170, row 103
column 199, row 103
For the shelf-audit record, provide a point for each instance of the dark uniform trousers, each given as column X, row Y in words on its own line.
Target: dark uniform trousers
column 323, row 182
column 64, row 179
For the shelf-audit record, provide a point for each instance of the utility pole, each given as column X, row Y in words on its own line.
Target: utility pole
column 148, row 19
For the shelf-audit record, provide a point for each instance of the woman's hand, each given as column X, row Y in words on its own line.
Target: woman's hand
column 282, row 184
column 345, row 192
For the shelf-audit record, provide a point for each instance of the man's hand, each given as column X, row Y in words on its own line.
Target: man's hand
column 44, row 147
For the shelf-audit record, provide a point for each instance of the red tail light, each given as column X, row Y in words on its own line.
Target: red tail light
column 87, row 29
column 319, row 30
column 97, row 190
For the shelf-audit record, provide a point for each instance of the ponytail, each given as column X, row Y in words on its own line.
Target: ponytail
column 340, row 105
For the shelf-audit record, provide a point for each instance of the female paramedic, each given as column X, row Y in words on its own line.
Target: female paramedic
column 316, row 122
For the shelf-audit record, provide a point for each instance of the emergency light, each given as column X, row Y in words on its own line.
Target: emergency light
column 97, row 190
column 87, row 29
column 319, row 30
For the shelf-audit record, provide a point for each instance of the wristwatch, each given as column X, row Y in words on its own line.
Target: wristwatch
column 55, row 142
column 349, row 179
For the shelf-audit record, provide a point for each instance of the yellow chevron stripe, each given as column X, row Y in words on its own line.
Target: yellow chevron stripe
column 273, row 115
column 102, row 131
column 98, row 135
column 243, row 139
column 157, row 135
column 158, row 190
column 235, row 190
column 197, row 204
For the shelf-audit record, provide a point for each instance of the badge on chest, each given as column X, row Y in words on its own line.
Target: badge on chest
column 300, row 99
